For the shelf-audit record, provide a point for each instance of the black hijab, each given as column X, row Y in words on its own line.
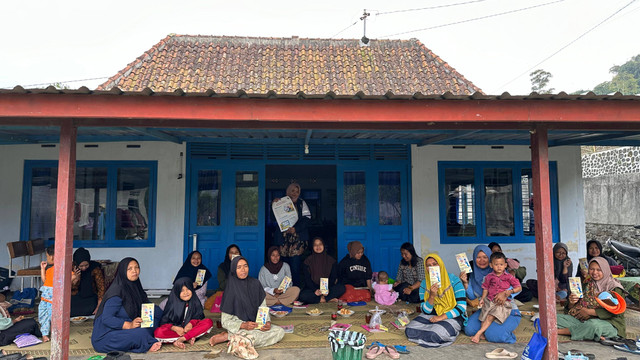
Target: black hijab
column 558, row 265
column 273, row 268
column 85, row 288
column 174, row 311
column 226, row 264
column 131, row 292
column 190, row 271
column 242, row 297
column 610, row 261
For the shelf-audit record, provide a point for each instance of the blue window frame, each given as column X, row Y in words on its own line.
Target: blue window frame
column 115, row 202
column 481, row 202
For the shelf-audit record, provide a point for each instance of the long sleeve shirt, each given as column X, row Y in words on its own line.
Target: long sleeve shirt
column 461, row 300
column 271, row 281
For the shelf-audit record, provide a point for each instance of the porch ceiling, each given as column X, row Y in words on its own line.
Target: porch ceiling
column 33, row 116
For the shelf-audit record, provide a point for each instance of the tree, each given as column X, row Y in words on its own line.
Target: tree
column 626, row 79
column 539, row 81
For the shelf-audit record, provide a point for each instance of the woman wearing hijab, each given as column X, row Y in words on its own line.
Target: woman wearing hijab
column 117, row 323
column 183, row 318
column 271, row 276
column 585, row 318
column 443, row 311
column 410, row 274
column 562, row 270
column 594, row 248
column 192, row 265
column 87, row 284
column 498, row 333
column 240, row 302
column 354, row 271
column 224, row 267
column 294, row 241
column 320, row 265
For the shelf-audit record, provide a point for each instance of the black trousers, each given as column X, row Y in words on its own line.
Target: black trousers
column 308, row 296
column 83, row 306
column 413, row 297
column 26, row 326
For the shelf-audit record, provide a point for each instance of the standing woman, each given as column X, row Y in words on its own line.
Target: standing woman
column 410, row 274
column 320, row 265
column 271, row 275
column 240, row 302
column 295, row 240
column 354, row 271
column 190, row 269
column 224, row 267
column 117, row 323
column 443, row 312
column 87, row 284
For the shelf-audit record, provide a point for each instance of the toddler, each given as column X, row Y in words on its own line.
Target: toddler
column 46, row 294
column 497, row 286
column 384, row 294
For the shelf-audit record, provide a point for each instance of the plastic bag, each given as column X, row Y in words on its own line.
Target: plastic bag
column 376, row 319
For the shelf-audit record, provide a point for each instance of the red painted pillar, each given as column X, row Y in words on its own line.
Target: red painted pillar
column 544, row 240
column 64, row 242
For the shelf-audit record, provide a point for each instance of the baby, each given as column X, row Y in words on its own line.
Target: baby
column 497, row 286
column 384, row 294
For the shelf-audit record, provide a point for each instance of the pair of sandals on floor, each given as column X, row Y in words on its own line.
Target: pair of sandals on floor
column 623, row 344
column 376, row 348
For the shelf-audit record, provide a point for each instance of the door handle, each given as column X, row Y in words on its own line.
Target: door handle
column 194, row 237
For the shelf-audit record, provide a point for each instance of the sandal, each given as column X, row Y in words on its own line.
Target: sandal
column 501, row 353
column 391, row 352
column 626, row 348
column 374, row 351
column 617, row 340
column 577, row 354
column 401, row 349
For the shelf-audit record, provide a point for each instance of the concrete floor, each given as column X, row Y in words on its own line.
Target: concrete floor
column 466, row 352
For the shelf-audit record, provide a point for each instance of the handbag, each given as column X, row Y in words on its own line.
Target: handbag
column 537, row 344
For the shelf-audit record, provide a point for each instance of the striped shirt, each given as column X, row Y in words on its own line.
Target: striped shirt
column 411, row 275
column 461, row 299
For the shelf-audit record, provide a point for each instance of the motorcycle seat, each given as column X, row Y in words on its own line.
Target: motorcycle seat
column 626, row 249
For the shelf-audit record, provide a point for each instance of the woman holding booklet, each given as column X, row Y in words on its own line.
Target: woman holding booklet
column 119, row 325
column 275, row 277
column 243, row 306
column 319, row 267
column 194, row 269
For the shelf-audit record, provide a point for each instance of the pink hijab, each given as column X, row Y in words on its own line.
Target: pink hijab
column 607, row 283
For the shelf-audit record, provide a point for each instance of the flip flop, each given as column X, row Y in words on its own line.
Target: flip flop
column 613, row 341
column 626, row 348
column 374, row 351
column 578, row 352
column 401, row 349
column 501, row 353
column 391, row 352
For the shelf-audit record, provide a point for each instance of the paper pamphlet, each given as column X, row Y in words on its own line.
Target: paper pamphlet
column 434, row 275
column 147, row 315
column 575, row 286
column 463, row 263
column 584, row 265
column 285, row 213
column 284, row 285
column 200, row 277
column 263, row 316
column 324, row 286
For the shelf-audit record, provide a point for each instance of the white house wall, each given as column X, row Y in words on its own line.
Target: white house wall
column 426, row 224
column 158, row 264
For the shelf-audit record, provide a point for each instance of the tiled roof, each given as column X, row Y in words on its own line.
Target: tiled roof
column 290, row 65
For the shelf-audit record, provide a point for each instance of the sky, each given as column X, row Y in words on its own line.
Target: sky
column 493, row 43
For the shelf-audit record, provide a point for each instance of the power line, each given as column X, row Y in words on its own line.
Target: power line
column 428, row 8
column 64, row 82
column 341, row 31
column 569, row 44
column 475, row 19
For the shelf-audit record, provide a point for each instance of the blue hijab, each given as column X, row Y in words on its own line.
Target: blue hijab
column 477, row 277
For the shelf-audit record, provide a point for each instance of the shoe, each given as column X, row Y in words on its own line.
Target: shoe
column 501, row 353
column 374, row 351
column 391, row 352
column 401, row 349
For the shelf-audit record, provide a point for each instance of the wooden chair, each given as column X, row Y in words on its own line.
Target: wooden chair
column 19, row 250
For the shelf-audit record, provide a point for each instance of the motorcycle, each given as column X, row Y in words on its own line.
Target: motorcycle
column 628, row 255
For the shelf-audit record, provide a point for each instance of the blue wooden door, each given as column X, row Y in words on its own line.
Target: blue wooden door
column 224, row 208
column 373, row 203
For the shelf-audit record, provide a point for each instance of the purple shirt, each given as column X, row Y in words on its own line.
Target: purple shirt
column 497, row 284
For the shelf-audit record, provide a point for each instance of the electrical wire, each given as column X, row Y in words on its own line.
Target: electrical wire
column 64, row 82
column 568, row 44
column 474, row 19
column 428, row 8
column 341, row 31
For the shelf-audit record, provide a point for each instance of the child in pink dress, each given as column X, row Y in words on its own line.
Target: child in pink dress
column 384, row 291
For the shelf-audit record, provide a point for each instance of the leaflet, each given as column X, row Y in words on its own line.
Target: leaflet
column 575, row 286
column 434, row 275
column 463, row 263
column 285, row 213
column 200, row 276
column 147, row 315
column 284, row 285
column 263, row 316
column 324, row 286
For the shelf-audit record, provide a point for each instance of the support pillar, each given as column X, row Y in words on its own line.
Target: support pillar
column 64, row 241
column 544, row 239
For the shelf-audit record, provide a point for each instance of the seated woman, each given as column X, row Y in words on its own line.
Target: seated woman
column 562, row 270
column 240, row 302
column 271, row 276
column 410, row 274
column 444, row 310
column 183, row 318
column 117, row 323
column 223, row 268
column 87, row 284
column 498, row 333
column 354, row 271
column 320, row 265
column 515, row 269
column 594, row 248
column 11, row 328
column 585, row 318
column 192, row 265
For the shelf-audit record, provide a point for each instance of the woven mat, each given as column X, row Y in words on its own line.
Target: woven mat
column 307, row 333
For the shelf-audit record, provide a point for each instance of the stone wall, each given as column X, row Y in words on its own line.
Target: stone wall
column 623, row 233
column 624, row 160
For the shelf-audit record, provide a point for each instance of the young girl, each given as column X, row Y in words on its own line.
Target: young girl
column 384, row 291
column 46, row 294
column 183, row 318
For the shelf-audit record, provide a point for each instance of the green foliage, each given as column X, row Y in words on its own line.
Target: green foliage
column 539, row 81
column 626, row 79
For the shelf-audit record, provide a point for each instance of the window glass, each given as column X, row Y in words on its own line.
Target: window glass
column 498, row 202
column 355, row 199
column 246, row 198
column 389, row 198
column 460, row 202
column 90, row 208
column 208, row 212
column 132, row 211
column 44, row 186
column 527, row 202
